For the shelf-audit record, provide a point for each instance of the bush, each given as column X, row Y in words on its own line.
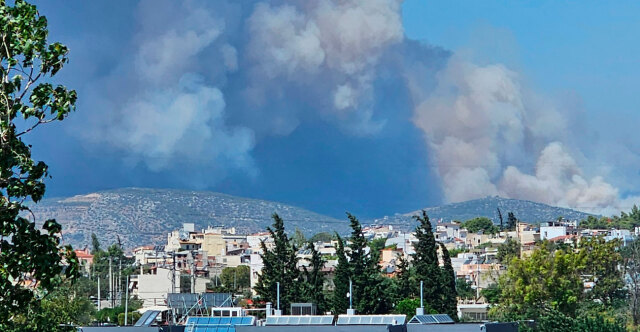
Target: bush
column 132, row 318
column 408, row 307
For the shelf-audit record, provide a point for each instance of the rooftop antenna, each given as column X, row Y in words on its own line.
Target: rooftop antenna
column 350, row 311
column 277, row 312
column 420, row 311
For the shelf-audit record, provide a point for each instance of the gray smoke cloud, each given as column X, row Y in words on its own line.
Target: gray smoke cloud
column 170, row 103
column 207, row 82
column 160, row 107
column 490, row 135
column 332, row 47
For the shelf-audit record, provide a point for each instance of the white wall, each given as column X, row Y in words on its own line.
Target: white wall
column 153, row 288
column 549, row 232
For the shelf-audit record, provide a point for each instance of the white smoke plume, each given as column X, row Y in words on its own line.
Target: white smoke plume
column 206, row 82
column 157, row 118
column 484, row 128
column 336, row 45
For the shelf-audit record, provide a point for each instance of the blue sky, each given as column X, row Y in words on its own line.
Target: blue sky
column 586, row 47
column 310, row 106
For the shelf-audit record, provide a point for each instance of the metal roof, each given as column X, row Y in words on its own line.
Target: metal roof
column 147, row 318
column 371, row 320
column 431, row 319
column 299, row 320
column 214, row 324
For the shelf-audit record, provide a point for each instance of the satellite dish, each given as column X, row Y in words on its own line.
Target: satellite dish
column 184, row 235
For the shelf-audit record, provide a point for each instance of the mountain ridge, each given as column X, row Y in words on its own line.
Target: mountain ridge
column 141, row 216
column 524, row 210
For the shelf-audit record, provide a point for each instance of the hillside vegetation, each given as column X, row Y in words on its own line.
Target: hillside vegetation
column 142, row 216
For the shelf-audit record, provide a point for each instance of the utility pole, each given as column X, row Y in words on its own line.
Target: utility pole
column 193, row 274
column 120, row 281
column 99, row 305
column 278, row 294
column 173, row 272
column 421, row 294
column 350, row 294
column 110, row 283
column 126, row 303
column 478, row 278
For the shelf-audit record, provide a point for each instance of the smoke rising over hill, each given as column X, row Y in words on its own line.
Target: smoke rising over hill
column 209, row 85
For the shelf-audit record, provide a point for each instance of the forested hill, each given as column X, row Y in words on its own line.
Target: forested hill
column 142, row 216
column 526, row 211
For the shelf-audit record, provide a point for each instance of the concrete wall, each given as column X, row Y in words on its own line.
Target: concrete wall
column 214, row 244
column 549, row 232
column 153, row 288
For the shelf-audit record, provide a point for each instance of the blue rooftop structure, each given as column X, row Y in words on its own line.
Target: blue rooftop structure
column 217, row 324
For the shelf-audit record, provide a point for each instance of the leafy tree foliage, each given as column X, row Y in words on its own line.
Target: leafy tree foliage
column 111, row 315
column 457, row 251
column 478, row 224
column 342, row 275
column 100, row 267
column 507, row 251
column 492, row 293
column 543, row 281
column 624, row 221
column 280, row 265
column 554, row 321
column 32, row 261
column 132, row 318
column 322, row 237
column 408, row 307
column 631, row 264
column 375, row 246
column 236, row 278
column 65, row 305
column 600, row 260
column 464, row 290
column 553, row 280
column 298, row 238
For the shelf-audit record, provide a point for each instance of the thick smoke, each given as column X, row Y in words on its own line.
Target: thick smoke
column 172, row 101
column 161, row 107
column 332, row 47
column 208, row 82
column 484, row 128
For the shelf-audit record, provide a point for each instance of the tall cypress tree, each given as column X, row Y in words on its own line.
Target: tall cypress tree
column 425, row 262
column 370, row 295
column 512, row 221
column 314, row 286
column 280, row 265
column 339, row 301
column 404, row 279
column 448, row 282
